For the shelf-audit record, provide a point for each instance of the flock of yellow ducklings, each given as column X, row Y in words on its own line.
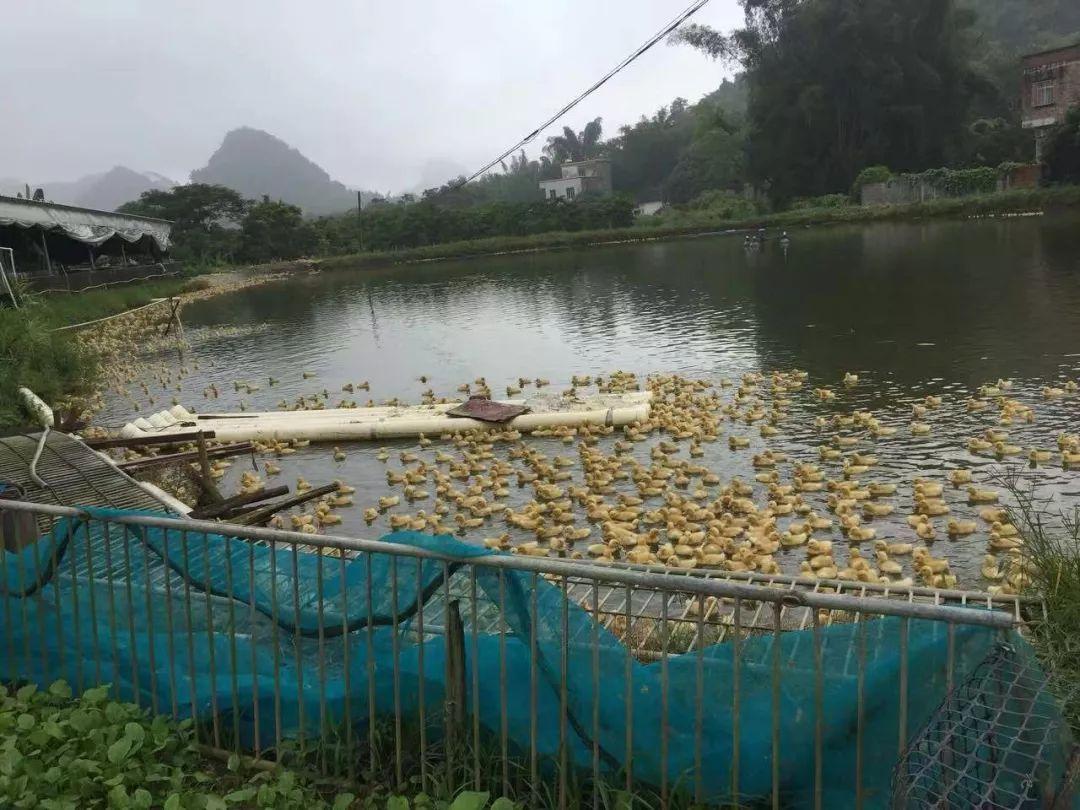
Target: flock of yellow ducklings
column 640, row 494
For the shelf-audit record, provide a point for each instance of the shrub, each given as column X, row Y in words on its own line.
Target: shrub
column 58, row 752
column 871, row 174
column 1062, row 154
column 723, row 204
column 825, row 201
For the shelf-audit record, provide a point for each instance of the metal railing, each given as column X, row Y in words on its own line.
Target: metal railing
column 550, row 681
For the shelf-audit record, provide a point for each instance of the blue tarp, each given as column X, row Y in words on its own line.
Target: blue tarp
column 315, row 629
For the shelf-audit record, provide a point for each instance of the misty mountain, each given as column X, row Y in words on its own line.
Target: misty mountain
column 105, row 191
column 255, row 163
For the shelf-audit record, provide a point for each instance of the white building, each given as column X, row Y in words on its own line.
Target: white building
column 582, row 177
column 647, row 209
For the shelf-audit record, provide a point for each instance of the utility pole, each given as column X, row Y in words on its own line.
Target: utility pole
column 360, row 217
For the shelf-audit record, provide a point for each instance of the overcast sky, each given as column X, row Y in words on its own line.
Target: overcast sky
column 382, row 94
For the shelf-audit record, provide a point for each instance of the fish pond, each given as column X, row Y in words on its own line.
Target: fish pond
column 938, row 309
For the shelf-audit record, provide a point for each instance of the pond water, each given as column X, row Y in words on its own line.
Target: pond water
column 912, row 308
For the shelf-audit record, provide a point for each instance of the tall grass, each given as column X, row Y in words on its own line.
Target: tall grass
column 57, row 365
column 1051, row 553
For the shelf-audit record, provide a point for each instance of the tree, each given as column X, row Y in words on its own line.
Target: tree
column 204, row 218
column 839, row 84
column 275, row 230
column 194, row 206
column 1062, row 150
column 573, row 146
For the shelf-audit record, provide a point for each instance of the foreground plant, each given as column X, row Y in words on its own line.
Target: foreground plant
column 64, row 753
column 59, row 752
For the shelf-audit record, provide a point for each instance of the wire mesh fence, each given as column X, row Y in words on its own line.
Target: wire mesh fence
column 553, row 682
column 996, row 741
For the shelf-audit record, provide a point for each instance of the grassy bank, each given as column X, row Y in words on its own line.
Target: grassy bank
column 53, row 364
column 678, row 223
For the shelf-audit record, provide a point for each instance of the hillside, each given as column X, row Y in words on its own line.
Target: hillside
column 106, row 191
column 255, row 163
column 1027, row 25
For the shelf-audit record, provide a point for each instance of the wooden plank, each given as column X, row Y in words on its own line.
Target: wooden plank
column 191, row 455
column 159, row 438
column 264, row 513
column 209, row 486
column 229, row 504
column 454, row 700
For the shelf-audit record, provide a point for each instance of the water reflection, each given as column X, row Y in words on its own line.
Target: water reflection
column 938, row 307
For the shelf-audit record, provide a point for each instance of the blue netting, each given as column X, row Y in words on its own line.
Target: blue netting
column 94, row 603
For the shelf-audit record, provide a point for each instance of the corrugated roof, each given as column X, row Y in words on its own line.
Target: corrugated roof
column 83, row 224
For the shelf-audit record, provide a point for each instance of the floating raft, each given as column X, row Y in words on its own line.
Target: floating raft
column 397, row 422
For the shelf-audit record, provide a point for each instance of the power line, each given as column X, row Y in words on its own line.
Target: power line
column 692, row 9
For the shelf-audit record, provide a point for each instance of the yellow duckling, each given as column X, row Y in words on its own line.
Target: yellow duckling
column 887, row 566
column 926, row 531
column 919, row 428
column 976, row 495
column 990, row 569
column 389, row 502
column 959, row 477
column 399, row 521
column 1036, row 456
column 302, row 485
column 270, row 468
column 859, row 534
column 339, row 454
column 1001, row 450
column 573, row 534
column 330, row 519
column 960, row 528
column 928, row 489
column 879, row 490
column 502, row 542
column 930, row 507
column 371, row 514
column 977, row 445
column 383, row 454
column 873, row 510
column 893, row 549
column 851, row 379
column 993, row 514
column 789, row 539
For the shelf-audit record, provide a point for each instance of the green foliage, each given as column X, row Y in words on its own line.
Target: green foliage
column 725, row 204
column 839, row 84
column 57, row 366
column 1062, row 155
column 56, row 752
column 275, row 230
column 824, row 201
column 683, row 149
column 959, row 182
column 868, row 176
column 51, row 364
column 1019, row 26
column 573, row 146
column 203, row 217
column 410, row 225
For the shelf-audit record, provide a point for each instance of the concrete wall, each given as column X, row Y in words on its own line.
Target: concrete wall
column 898, row 191
column 1026, row 176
